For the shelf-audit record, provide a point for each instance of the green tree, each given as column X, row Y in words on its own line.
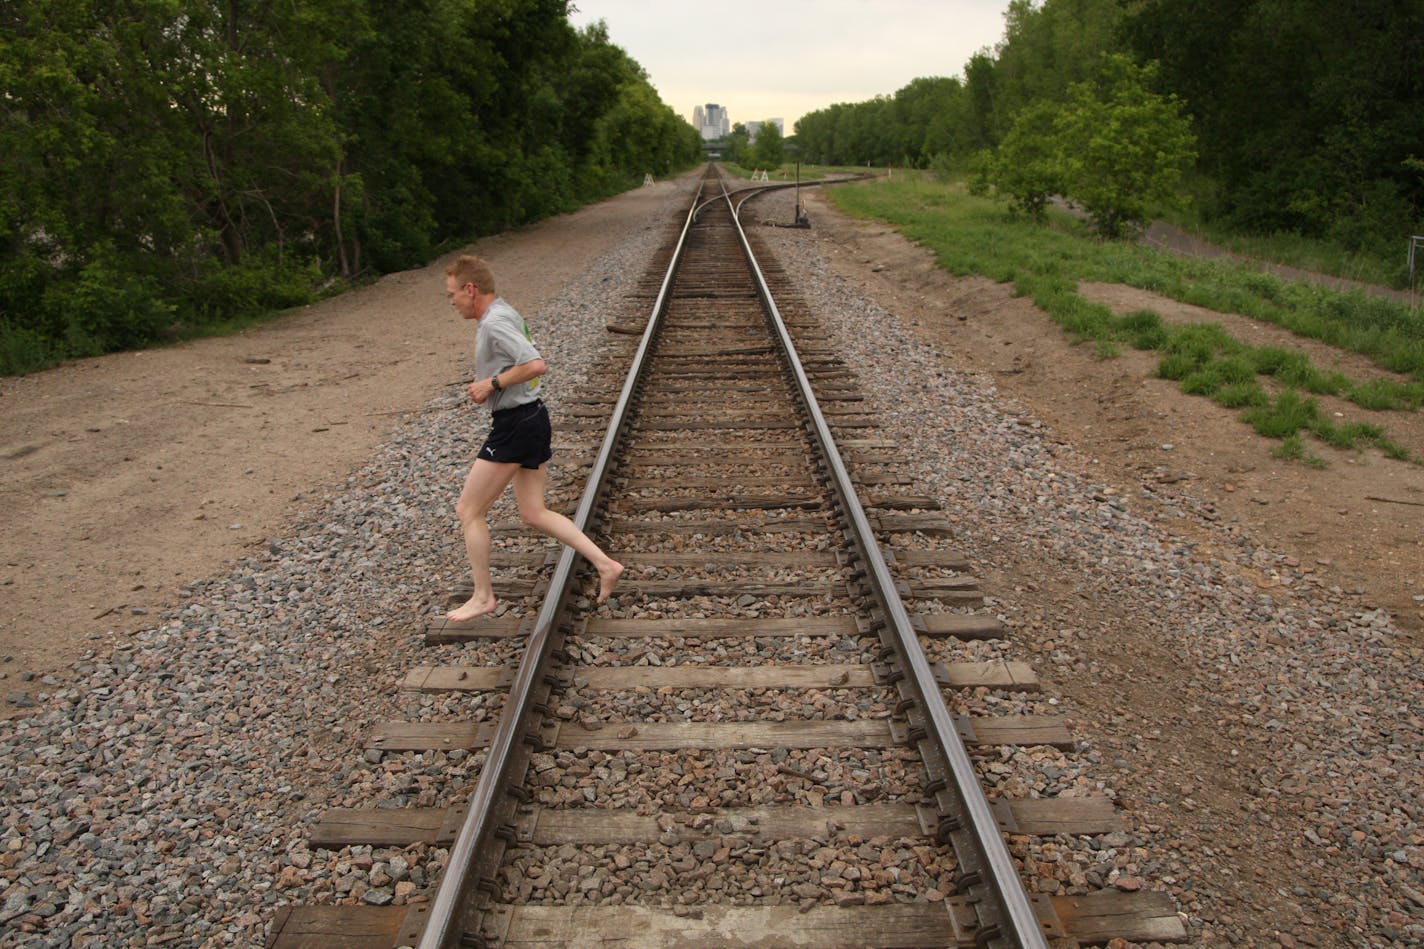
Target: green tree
column 1307, row 110
column 1123, row 147
column 168, row 149
column 1028, row 166
column 171, row 162
column 770, row 148
column 1050, row 45
column 736, row 147
column 929, row 118
column 985, row 122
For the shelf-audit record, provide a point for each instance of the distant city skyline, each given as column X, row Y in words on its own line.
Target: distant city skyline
column 711, row 120
column 714, row 122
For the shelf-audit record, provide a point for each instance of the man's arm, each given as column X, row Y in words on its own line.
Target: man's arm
column 481, row 389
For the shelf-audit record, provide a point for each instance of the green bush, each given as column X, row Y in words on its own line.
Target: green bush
column 107, row 306
column 23, row 350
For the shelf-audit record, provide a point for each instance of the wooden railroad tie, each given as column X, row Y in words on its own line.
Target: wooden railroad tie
column 439, row 630
column 1093, row 919
column 677, row 736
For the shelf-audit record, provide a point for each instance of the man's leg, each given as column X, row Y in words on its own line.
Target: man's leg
column 529, row 487
column 483, row 486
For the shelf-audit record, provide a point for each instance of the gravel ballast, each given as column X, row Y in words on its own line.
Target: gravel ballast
column 164, row 795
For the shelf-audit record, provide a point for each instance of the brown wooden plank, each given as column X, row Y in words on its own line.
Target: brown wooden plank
column 692, row 455
column 1143, row 916
column 745, row 502
column 386, row 826
column 703, row 628
column 672, row 736
column 717, row 483
column 422, row 736
column 582, row 825
column 689, row 587
column 932, row 524
column 1017, row 730
column 457, row 679
column 694, row 560
column 1045, row 817
column 719, row 527
column 732, row 411
column 959, row 625
column 699, row 394
column 907, row 925
column 665, row 402
column 696, row 354
column 729, row 424
column 441, row 630
column 336, row 927
column 829, row 676
column 887, row 501
column 999, row 674
column 881, row 478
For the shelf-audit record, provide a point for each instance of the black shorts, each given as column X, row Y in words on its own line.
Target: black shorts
column 521, row 435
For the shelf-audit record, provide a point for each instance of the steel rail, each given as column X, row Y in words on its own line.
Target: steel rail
column 1006, row 889
column 445, row 923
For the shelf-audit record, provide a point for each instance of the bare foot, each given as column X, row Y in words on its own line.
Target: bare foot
column 473, row 607
column 608, row 579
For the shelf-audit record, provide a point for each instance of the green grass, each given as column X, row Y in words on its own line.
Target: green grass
column 1046, row 263
column 1293, row 250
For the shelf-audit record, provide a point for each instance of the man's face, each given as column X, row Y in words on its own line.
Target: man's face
column 464, row 298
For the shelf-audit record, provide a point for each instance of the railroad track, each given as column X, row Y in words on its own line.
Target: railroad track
column 749, row 746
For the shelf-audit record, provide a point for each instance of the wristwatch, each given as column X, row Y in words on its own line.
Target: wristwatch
column 494, row 381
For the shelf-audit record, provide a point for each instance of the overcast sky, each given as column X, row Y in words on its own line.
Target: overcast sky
column 783, row 58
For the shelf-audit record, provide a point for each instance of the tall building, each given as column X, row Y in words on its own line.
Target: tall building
column 754, row 127
column 711, row 120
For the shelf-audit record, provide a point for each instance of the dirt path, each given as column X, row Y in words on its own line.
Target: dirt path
column 127, row 476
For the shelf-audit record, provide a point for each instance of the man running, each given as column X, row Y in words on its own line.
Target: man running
column 520, row 442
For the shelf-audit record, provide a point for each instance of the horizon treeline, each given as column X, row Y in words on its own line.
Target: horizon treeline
column 1308, row 114
column 174, row 164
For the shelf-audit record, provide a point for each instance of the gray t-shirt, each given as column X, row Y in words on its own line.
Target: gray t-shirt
column 503, row 341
